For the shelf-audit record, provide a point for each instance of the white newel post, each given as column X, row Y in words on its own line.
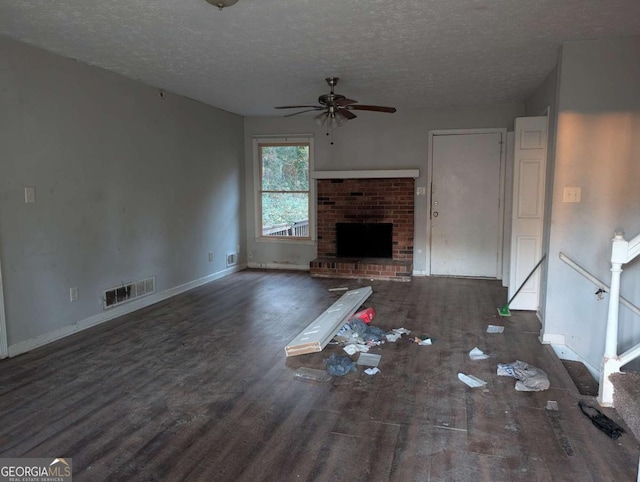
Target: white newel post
column 610, row 363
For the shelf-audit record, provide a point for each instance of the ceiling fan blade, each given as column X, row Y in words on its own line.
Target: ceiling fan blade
column 375, row 108
column 346, row 113
column 299, row 107
column 302, row 112
column 345, row 101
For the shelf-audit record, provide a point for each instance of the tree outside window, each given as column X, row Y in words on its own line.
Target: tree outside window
column 284, row 191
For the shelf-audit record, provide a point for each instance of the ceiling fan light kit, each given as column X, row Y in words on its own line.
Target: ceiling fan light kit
column 326, row 119
column 336, row 109
column 222, row 3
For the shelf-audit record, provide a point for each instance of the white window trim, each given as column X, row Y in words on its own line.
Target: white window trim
column 257, row 183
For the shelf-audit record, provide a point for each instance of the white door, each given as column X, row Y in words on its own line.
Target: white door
column 528, row 210
column 465, row 217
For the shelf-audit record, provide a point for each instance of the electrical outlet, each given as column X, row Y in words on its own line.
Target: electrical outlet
column 73, row 294
column 421, row 191
column 210, row 256
column 250, row 254
column 29, row 195
column 572, row 195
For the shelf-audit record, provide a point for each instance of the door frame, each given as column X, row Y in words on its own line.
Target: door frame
column 503, row 152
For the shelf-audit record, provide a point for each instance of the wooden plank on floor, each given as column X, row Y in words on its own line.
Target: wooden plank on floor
column 321, row 330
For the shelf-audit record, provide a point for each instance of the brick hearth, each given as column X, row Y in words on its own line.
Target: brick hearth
column 365, row 201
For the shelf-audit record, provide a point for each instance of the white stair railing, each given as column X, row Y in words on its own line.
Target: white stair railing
column 622, row 252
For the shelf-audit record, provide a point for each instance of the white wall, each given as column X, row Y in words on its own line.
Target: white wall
column 372, row 141
column 598, row 149
column 128, row 185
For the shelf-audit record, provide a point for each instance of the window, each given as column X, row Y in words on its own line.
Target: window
column 284, row 196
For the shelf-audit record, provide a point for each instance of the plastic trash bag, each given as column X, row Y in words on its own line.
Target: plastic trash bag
column 530, row 378
column 339, row 366
column 601, row 421
column 366, row 332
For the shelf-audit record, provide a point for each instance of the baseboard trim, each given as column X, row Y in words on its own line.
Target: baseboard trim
column 125, row 309
column 285, row 266
column 552, row 339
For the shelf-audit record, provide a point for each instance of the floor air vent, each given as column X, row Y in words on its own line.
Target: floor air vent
column 129, row 292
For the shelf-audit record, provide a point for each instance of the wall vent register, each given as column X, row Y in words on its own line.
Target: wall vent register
column 129, row 292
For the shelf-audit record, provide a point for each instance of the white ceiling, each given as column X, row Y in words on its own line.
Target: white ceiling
column 257, row 54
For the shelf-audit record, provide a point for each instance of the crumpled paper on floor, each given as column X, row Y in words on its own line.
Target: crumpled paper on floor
column 471, row 381
column 355, row 348
column 478, row 354
column 530, row 378
column 395, row 334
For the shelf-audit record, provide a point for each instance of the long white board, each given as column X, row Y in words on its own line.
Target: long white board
column 316, row 336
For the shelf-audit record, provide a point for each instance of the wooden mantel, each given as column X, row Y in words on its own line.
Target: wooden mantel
column 370, row 174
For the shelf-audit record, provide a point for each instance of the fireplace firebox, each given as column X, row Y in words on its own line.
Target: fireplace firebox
column 364, row 240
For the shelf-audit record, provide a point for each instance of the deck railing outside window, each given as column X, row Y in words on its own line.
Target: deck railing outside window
column 299, row 229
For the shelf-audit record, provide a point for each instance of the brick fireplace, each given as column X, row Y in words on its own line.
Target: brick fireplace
column 377, row 200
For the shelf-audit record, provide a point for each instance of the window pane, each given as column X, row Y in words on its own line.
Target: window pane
column 285, row 214
column 285, row 168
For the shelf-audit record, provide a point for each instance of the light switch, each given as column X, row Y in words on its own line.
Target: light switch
column 421, row 191
column 572, row 195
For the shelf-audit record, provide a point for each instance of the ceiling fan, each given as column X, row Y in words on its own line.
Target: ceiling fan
column 336, row 109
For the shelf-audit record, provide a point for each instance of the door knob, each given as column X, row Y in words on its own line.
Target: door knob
column 435, row 214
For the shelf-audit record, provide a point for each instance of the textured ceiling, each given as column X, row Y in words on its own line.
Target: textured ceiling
column 257, row 54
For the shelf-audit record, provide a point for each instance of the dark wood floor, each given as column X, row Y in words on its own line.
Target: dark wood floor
column 198, row 388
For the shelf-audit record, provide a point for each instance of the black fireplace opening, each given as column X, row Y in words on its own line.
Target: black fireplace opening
column 364, row 240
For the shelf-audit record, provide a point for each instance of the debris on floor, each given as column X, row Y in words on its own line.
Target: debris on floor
column 600, row 420
column 352, row 348
column 365, row 315
column 495, row 329
column 369, row 359
column 478, row 354
column 395, row 334
column 393, row 337
column 319, row 332
column 423, row 340
column 552, row 405
column 356, row 336
column 311, row 375
column 471, row 381
column 339, row 366
column 530, row 378
column 357, row 331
